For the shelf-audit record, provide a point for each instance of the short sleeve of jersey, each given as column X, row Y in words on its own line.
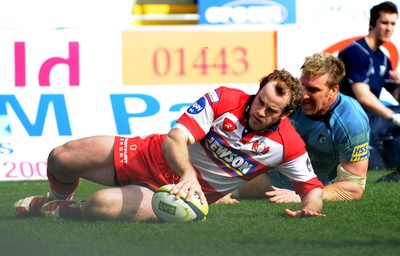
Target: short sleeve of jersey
column 350, row 126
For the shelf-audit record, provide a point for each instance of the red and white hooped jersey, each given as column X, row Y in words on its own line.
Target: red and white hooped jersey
column 227, row 155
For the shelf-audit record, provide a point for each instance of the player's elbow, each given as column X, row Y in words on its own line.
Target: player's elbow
column 358, row 192
column 343, row 191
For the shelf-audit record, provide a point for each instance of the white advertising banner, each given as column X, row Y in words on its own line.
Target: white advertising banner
column 71, row 78
column 58, row 85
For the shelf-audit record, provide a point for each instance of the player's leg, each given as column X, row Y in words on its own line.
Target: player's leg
column 255, row 188
column 90, row 158
column 132, row 203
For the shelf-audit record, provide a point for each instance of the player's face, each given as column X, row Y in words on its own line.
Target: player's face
column 318, row 98
column 267, row 108
column 385, row 25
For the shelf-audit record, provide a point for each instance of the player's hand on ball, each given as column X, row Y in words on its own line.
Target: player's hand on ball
column 168, row 208
column 189, row 185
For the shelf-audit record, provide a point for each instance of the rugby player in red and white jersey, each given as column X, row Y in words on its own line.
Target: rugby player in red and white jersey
column 223, row 140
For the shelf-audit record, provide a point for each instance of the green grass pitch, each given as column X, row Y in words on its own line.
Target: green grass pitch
column 370, row 226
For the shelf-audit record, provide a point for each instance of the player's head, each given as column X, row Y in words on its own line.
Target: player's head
column 385, row 7
column 321, row 75
column 286, row 84
column 278, row 95
column 320, row 64
column 383, row 18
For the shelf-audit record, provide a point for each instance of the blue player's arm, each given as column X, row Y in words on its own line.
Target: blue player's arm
column 349, row 183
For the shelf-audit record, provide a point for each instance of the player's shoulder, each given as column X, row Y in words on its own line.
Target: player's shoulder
column 355, row 50
column 288, row 131
column 349, row 115
column 293, row 144
column 229, row 91
column 355, row 45
column 228, row 95
column 349, row 106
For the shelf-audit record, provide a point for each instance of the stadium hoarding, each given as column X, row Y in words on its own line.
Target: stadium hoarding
column 197, row 56
column 345, row 14
column 62, row 84
column 250, row 12
column 59, row 85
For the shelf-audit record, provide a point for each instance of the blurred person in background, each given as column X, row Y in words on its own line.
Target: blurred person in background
column 368, row 71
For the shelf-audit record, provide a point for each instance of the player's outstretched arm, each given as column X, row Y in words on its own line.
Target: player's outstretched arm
column 176, row 152
column 311, row 205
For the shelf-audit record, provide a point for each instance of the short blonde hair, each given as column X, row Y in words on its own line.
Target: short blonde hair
column 320, row 64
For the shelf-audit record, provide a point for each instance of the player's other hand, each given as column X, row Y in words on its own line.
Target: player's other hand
column 395, row 75
column 303, row 213
column 282, row 196
column 228, row 199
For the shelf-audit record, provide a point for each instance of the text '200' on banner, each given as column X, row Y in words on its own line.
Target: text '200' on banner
column 187, row 57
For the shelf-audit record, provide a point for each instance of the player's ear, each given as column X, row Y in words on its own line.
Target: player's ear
column 335, row 88
column 287, row 113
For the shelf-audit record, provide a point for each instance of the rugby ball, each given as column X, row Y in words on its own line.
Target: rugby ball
column 169, row 209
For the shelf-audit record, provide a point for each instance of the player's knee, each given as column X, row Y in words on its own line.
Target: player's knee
column 102, row 205
column 54, row 163
column 59, row 159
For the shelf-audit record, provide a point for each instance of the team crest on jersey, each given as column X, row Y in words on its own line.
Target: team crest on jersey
column 382, row 70
column 322, row 139
column 197, row 107
column 228, row 125
column 372, row 70
column 260, row 147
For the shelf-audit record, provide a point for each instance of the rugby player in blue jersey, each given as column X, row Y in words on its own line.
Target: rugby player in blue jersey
column 368, row 70
column 335, row 129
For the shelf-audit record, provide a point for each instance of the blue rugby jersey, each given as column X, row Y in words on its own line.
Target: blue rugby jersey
column 341, row 134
